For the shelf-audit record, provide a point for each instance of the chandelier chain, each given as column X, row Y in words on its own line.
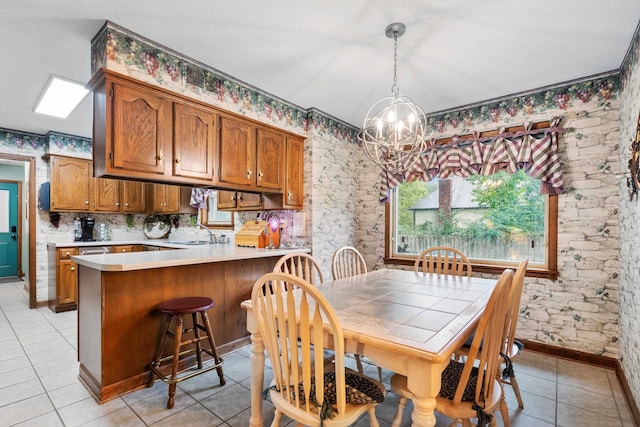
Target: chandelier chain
column 395, row 89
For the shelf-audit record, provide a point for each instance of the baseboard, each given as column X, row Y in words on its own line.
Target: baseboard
column 592, row 359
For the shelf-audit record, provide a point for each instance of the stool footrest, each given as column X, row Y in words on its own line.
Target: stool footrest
column 197, row 371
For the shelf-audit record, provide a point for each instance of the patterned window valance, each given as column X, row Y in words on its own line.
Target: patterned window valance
column 532, row 147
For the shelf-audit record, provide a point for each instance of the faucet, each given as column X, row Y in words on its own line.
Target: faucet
column 211, row 235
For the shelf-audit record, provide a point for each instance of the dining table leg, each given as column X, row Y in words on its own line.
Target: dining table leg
column 257, row 379
column 423, row 380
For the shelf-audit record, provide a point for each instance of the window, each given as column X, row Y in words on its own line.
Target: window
column 494, row 220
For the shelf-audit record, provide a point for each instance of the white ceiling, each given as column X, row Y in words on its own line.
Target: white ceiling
column 328, row 54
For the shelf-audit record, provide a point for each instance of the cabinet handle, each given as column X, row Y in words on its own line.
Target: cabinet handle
column 73, row 269
column 160, row 157
column 117, row 203
column 249, row 173
column 177, row 160
column 127, row 204
column 86, row 202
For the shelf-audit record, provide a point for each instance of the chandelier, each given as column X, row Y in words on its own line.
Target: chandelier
column 395, row 130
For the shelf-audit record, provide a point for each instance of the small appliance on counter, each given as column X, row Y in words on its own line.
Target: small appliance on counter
column 77, row 230
column 86, row 225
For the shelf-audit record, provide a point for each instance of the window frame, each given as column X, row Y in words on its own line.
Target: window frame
column 550, row 272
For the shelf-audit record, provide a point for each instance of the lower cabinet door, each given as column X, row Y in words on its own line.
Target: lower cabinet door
column 68, row 282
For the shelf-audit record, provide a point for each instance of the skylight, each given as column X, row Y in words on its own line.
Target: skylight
column 60, row 97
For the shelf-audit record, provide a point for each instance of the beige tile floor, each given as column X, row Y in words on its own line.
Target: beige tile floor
column 39, row 385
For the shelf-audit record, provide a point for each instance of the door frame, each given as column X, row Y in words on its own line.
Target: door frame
column 31, row 212
column 20, row 268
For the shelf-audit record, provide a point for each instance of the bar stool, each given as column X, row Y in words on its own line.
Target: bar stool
column 174, row 311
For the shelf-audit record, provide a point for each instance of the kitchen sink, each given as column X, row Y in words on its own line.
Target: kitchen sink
column 193, row 242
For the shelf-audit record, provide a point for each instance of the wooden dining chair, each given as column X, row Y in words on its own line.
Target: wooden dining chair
column 510, row 347
column 471, row 389
column 293, row 318
column 301, row 265
column 443, row 260
column 347, row 262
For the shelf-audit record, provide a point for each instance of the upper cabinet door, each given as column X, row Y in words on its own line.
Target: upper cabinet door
column 141, row 129
column 70, row 184
column 105, row 195
column 294, row 181
column 270, row 159
column 194, row 139
column 132, row 197
column 237, row 152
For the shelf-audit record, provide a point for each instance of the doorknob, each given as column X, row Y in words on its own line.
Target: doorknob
column 13, row 236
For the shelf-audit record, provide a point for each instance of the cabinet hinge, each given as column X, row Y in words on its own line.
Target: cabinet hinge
column 111, row 93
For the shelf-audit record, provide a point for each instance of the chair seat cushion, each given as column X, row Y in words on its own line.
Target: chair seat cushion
column 451, row 379
column 359, row 389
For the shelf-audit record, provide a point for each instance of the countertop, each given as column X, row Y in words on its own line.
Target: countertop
column 189, row 255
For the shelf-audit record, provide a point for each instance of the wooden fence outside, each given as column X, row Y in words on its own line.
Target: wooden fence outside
column 475, row 248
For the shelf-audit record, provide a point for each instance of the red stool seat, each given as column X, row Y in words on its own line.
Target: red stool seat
column 174, row 328
column 187, row 305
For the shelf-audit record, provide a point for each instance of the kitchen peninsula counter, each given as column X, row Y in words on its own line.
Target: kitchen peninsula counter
column 189, row 255
column 118, row 327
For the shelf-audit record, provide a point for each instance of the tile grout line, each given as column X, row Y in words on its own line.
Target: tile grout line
column 31, row 363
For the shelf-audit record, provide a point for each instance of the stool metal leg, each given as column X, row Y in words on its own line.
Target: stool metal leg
column 176, row 352
column 212, row 344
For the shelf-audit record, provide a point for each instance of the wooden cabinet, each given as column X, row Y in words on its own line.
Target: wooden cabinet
column 293, row 192
column 148, row 133
column 132, row 196
column 65, row 288
column 294, row 178
column 105, row 195
column 120, row 249
column 238, row 200
column 141, row 129
column 270, row 148
column 145, row 132
column 73, row 189
column 114, row 195
column 237, row 151
column 194, row 139
column 250, row 156
column 163, row 199
column 70, row 184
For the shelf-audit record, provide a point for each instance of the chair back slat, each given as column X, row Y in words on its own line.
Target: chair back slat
column 347, row 262
column 488, row 336
column 294, row 318
column 443, row 260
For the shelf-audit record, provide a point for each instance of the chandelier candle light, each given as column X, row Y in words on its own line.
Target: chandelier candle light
column 395, row 128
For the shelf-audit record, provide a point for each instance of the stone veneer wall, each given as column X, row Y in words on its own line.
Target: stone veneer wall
column 629, row 226
column 578, row 311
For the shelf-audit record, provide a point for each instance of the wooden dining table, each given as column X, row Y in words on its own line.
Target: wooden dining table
column 409, row 323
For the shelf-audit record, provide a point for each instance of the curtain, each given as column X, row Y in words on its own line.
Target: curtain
column 533, row 150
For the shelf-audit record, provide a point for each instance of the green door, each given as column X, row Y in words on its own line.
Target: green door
column 8, row 229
